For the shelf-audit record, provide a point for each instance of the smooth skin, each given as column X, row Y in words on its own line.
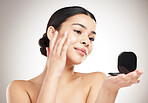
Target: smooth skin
column 58, row 83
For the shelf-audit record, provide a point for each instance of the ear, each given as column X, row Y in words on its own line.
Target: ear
column 50, row 32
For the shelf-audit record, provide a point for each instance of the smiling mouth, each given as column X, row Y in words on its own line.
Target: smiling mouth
column 81, row 51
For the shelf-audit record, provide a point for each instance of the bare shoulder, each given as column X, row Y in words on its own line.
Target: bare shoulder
column 21, row 84
column 96, row 76
column 92, row 77
column 95, row 81
column 16, row 84
column 16, row 91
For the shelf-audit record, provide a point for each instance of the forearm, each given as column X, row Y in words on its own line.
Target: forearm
column 106, row 95
column 48, row 90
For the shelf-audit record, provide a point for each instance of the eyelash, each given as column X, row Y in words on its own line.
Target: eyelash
column 79, row 32
column 92, row 39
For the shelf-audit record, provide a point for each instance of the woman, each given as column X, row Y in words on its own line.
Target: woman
column 67, row 42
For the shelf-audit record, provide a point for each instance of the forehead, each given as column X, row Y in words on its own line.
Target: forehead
column 81, row 19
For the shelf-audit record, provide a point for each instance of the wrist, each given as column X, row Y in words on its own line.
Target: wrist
column 50, row 76
column 110, row 89
column 55, row 74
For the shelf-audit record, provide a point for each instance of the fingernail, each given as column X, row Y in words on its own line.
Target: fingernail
column 56, row 32
column 69, row 40
column 66, row 33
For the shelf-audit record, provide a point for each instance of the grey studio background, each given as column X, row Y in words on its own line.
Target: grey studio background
column 122, row 25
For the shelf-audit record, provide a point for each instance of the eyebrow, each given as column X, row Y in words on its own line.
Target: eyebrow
column 93, row 32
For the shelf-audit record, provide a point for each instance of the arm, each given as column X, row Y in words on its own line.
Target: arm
column 106, row 95
column 56, row 61
column 48, row 90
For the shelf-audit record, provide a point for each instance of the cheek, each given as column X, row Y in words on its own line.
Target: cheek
column 90, row 49
column 73, row 38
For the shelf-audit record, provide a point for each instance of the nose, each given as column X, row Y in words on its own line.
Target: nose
column 85, row 43
column 84, row 40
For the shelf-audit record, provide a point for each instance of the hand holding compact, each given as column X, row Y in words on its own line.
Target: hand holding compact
column 123, row 80
column 128, row 74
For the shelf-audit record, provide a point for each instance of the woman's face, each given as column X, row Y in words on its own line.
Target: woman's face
column 81, row 31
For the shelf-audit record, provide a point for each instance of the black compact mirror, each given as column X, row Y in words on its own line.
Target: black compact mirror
column 127, row 62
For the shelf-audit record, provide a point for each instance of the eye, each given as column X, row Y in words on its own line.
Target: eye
column 91, row 39
column 77, row 31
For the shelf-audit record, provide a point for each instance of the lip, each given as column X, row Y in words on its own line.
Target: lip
column 82, row 50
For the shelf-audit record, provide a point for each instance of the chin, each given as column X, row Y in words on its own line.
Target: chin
column 75, row 60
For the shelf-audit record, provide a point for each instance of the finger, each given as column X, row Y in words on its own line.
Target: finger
column 121, row 78
column 61, row 43
column 65, row 47
column 52, row 41
column 130, row 77
column 139, row 73
column 137, row 81
column 56, row 45
column 134, row 76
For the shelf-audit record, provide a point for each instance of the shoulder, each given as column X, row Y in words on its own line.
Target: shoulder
column 95, row 80
column 16, row 84
column 20, row 84
column 95, row 76
column 16, row 91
